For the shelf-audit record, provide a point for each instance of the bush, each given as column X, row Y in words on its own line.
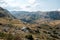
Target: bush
column 2, row 35
column 17, row 37
column 9, row 37
column 54, row 36
column 29, row 37
column 10, row 25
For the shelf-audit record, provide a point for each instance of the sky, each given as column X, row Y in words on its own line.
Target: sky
column 30, row 5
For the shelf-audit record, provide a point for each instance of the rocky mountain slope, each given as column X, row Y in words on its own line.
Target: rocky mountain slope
column 4, row 13
column 15, row 29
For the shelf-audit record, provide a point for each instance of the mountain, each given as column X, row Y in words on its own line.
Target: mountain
column 8, row 25
column 13, row 27
column 5, row 14
column 54, row 15
column 32, row 16
column 41, row 25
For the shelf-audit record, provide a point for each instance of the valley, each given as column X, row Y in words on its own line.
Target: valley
column 20, row 25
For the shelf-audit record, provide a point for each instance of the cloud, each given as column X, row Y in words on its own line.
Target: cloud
column 31, row 1
column 58, row 9
column 26, row 5
column 29, row 5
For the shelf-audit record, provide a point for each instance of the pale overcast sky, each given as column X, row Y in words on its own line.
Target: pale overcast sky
column 30, row 5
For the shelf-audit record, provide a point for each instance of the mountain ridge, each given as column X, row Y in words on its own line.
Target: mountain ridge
column 31, row 16
column 5, row 13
